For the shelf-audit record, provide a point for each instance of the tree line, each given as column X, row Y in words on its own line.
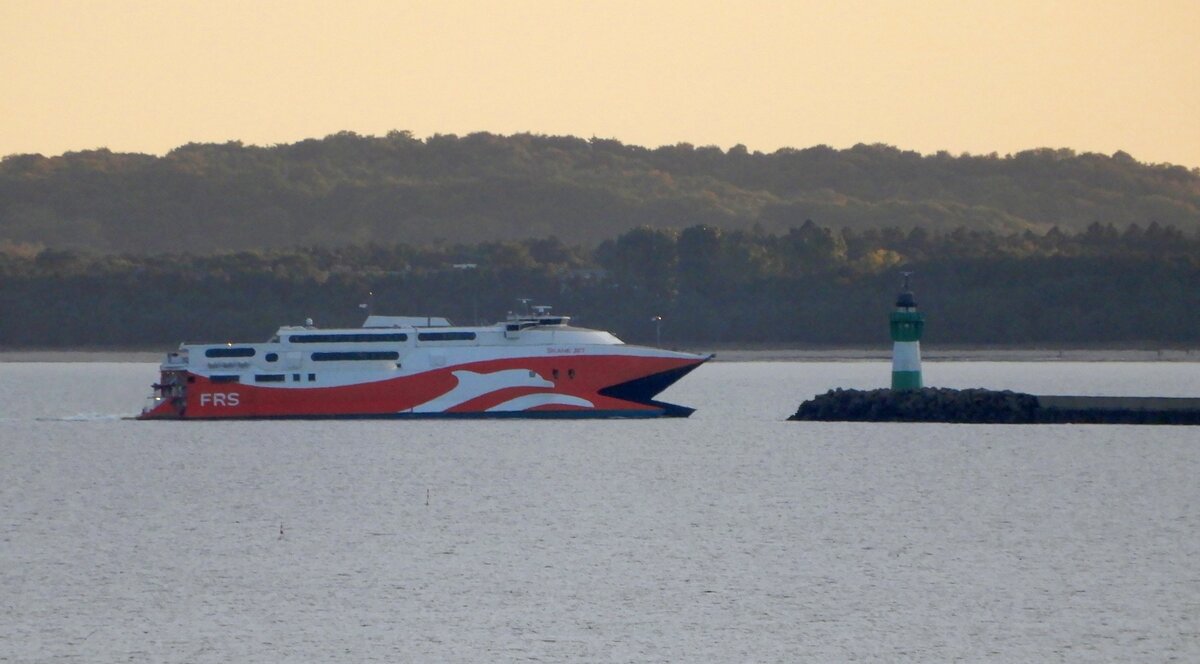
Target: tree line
column 810, row 284
column 349, row 189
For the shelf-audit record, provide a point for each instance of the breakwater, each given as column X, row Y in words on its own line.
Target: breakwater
column 983, row 406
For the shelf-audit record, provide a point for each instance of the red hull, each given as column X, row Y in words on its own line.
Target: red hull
column 615, row 385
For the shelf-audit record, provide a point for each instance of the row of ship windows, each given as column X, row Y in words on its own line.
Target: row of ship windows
column 330, row 356
column 262, row 378
column 242, row 351
column 282, row 378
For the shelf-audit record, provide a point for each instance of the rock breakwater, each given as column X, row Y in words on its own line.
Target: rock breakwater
column 983, row 406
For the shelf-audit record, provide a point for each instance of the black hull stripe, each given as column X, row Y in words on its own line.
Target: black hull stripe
column 507, row 415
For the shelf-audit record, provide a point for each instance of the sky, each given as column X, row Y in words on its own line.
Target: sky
column 925, row 75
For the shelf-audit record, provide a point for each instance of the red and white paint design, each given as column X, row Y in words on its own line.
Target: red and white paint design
column 500, row 379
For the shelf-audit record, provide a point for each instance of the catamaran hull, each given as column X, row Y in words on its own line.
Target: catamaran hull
column 589, row 386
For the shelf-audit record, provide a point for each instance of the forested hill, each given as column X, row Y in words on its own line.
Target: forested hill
column 348, row 189
column 810, row 285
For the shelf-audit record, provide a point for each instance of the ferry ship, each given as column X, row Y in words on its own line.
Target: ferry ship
column 533, row 365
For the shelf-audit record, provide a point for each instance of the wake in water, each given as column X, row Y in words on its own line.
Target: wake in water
column 89, row 417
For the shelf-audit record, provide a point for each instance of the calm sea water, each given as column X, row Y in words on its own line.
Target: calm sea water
column 730, row 536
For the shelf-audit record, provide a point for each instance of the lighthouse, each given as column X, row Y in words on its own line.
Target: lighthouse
column 906, row 324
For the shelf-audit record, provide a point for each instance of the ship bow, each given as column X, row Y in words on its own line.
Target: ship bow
column 643, row 390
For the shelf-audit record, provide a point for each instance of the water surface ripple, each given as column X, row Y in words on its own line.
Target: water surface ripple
column 730, row 536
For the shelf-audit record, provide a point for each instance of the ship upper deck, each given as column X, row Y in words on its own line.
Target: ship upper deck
column 395, row 345
column 424, row 331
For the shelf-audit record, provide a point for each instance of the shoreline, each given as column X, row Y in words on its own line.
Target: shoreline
column 737, row 354
column 957, row 355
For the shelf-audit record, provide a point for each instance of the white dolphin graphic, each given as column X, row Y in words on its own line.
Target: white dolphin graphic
column 472, row 385
column 540, row 399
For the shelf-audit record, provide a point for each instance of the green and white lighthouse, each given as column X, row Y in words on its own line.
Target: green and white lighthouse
column 906, row 324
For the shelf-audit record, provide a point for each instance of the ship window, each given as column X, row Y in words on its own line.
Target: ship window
column 312, row 377
column 296, row 378
column 229, row 352
column 446, row 336
column 555, row 374
column 571, row 373
column 269, row 378
column 356, row 355
column 272, row 357
column 225, row 379
column 361, row 338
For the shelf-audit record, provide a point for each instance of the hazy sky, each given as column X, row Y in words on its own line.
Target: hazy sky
column 958, row 75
